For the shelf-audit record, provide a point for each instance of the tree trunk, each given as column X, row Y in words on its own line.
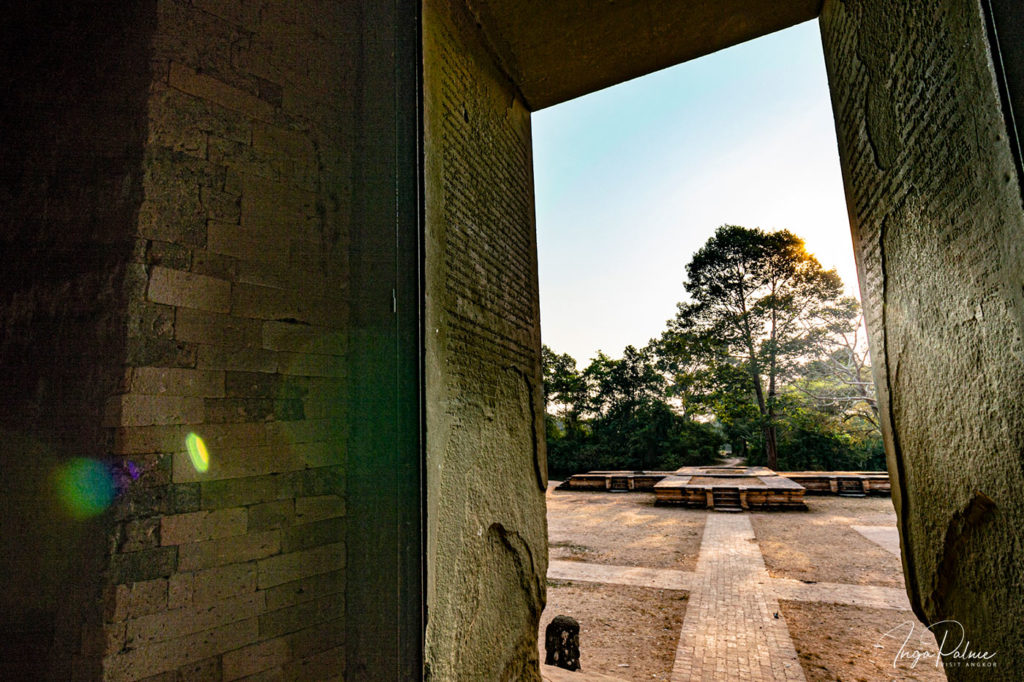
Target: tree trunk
column 770, row 446
column 766, row 408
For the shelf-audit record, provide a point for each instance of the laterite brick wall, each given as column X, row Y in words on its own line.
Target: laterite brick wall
column 72, row 116
column 237, row 304
column 192, row 278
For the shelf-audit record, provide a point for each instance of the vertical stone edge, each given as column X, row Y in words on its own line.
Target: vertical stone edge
column 937, row 223
column 486, row 473
column 385, row 564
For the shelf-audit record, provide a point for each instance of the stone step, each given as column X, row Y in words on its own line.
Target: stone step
column 726, row 499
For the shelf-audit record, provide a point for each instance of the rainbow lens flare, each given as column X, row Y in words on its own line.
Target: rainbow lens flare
column 197, row 452
column 85, row 487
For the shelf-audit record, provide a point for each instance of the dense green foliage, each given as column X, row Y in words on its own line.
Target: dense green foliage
column 764, row 358
column 614, row 415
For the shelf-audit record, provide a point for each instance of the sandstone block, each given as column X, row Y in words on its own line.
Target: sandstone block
column 189, row 290
column 231, row 550
column 222, row 582
column 322, row 637
column 288, row 567
column 247, row 360
column 206, row 87
column 300, row 338
column 202, row 525
column 217, row 494
column 173, row 653
column 179, row 590
column 314, row 534
column 169, row 624
column 309, row 365
column 271, row 515
column 176, row 381
column 306, row 589
column 253, row 659
column 215, row 329
column 148, row 564
column 322, row 507
column 150, row 410
column 295, row 618
column 236, row 463
column 145, row 439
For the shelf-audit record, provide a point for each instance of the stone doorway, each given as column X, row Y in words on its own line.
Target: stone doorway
column 925, row 129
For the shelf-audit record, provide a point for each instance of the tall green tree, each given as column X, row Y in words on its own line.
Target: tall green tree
column 762, row 304
column 627, row 383
column 565, row 387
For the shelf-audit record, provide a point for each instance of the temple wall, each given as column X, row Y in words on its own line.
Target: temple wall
column 486, row 466
column 179, row 225
column 935, row 209
column 74, row 122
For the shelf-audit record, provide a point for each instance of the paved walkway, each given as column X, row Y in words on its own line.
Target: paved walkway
column 733, row 629
column 887, row 537
column 730, row 631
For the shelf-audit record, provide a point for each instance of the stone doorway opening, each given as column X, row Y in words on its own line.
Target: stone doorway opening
column 488, row 66
column 788, row 65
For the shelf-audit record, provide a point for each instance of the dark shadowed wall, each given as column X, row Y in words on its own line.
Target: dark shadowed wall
column 74, row 79
column 177, row 198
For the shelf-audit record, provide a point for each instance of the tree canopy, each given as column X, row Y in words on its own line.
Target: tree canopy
column 761, row 303
column 766, row 355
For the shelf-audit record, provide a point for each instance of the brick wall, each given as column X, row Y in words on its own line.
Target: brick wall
column 74, row 78
column 176, row 226
column 237, row 304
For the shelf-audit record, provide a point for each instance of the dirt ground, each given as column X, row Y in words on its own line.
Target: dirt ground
column 623, row 529
column 820, row 545
column 838, row 642
column 639, row 627
column 630, row 633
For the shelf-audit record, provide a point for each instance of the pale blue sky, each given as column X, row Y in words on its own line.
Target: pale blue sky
column 633, row 179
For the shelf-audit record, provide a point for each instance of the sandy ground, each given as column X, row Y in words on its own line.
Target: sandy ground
column 631, row 633
column 624, row 529
column 820, row 545
column 627, row 632
column 838, row 642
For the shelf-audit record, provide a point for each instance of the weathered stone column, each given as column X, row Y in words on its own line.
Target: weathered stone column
column 486, row 473
column 935, row 209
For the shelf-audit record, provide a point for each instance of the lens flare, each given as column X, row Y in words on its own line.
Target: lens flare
column 197, row 452
column 85, row 487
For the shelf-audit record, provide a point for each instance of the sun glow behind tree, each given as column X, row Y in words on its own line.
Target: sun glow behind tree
column 632, row 180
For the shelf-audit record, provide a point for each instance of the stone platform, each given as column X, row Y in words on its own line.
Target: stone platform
column 852, row 483
column 730, row 489
column 760, row 487
column 614, row 480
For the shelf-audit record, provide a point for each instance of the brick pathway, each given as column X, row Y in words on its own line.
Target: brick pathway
column 730, row 631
